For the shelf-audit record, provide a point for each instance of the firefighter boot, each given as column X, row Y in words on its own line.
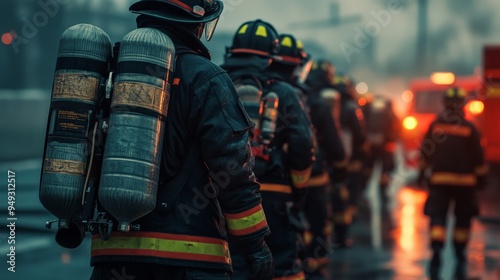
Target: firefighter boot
column 461, row 266
column 435, row 265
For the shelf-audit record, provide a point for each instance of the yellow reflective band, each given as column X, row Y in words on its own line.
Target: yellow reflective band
column 287, row 42
column 438, row 233
column 163, row 246
column 243, row 29
column 461, row 235
column 246, row 222
column 300, row 178
column 261, row 31
column 453, row 179
column 319, row 181
column 300, row 45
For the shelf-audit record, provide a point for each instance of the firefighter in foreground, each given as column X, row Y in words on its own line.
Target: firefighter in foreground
column 452, row 154
column 207, row 130
column 282, row 144
column 354, row 139
column 324, row 109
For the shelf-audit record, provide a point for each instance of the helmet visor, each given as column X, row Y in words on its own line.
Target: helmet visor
column 210, row 29
column 302, row 71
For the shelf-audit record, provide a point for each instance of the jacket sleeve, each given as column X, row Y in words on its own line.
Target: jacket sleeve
column 329, row 128
column 298, row 136
column 224, row 130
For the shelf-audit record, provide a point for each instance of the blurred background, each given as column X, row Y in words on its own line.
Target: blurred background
column 384, row 44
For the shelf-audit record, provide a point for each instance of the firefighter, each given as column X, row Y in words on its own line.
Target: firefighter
column 354, row 135
column 383, row 132
column 324, row 106
column 283, row 147
column 452, row 155
column 206, row 151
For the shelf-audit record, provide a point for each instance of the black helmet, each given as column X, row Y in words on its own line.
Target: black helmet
column 255, row 37
column 454, row 98
column 291, row 51
column 183, row 11
column 322, row 73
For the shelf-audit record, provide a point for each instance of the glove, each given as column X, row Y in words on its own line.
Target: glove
column 259, row 258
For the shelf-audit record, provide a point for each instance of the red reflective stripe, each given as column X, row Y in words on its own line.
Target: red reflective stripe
column 244, row 213
column 275, row 188
column 291, row 59
column 167, row 236
column 250, row 51
column 176, row 81
column 298, row 276
column 249, row 230
column 161, row 254
column 180, row 4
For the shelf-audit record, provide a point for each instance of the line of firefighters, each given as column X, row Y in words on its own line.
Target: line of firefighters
column 313, row 129
column 313, row 150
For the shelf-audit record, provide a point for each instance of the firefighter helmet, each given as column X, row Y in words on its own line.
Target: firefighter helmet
column 291, row 51
column 183, row 11
column 455, row 97
column 322, row 71
column 255, row 37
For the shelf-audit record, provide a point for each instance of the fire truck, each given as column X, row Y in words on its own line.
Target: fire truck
column 424, row 100
column 490, row 96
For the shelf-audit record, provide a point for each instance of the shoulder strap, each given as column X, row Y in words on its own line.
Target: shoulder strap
column 168, row 193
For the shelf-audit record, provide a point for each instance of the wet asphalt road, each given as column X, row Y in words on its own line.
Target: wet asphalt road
column 386, row 244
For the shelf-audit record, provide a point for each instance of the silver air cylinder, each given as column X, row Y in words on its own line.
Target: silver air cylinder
column 82, row 67
column 131, row 164
column 269, row 117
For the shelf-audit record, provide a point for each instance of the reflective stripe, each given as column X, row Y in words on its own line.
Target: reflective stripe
column 162, row 245
column 301, row 177
column 298, row 276
column 449, row 129
column 319, row 181
column 461, row 235
column 355, row 166
column 482, row 170
column 438, row 233
column 275, row 188
column 454, row 179
column 246, row 222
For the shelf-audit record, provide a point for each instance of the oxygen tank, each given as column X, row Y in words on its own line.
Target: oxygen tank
column 250, row 93
column 269, row 117
column 81, row 71
column 131, row 161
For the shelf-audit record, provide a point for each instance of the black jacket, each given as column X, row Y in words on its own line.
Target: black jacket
column 353, row 123
column 330, row 152
column 292, row 145
column 452, row 150
column 221, row 194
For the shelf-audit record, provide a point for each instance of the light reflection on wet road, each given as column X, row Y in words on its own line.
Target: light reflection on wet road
column 394, row 244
